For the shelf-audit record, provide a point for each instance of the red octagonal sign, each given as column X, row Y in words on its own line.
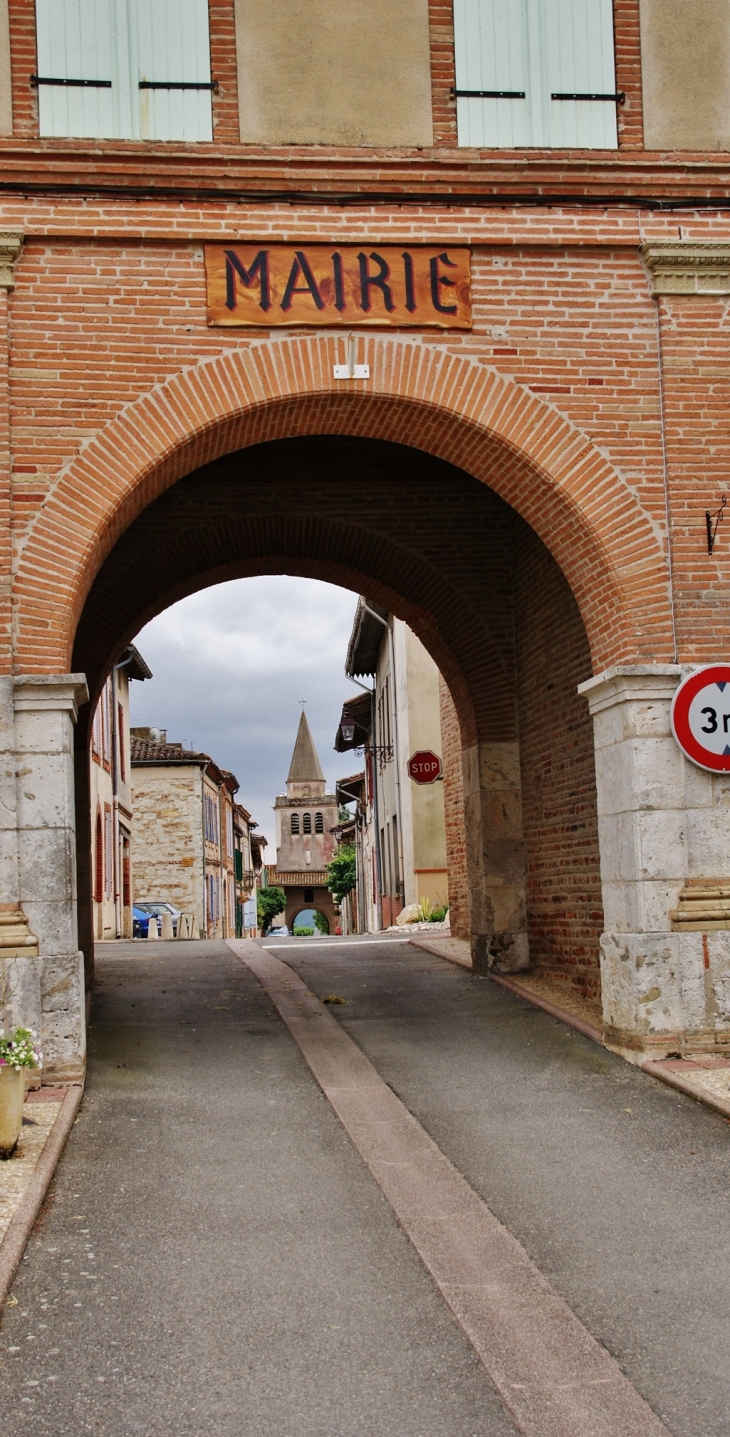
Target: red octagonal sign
column 424, row 766
column 701, row 717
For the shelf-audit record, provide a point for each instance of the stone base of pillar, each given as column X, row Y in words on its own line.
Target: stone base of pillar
column 664, row 832
column 666, row 993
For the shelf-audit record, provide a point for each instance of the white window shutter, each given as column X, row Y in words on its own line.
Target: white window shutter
column 491, row 54
column 541, row 47
column 75, row 40
column 172, row 44
column 579, row 59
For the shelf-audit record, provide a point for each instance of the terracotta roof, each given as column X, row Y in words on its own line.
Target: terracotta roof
column 146, row 750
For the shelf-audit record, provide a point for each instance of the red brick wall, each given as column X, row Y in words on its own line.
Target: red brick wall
column 565, row 915
column 454, row 815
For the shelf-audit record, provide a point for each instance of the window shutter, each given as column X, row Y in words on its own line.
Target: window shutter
column 75, row 42
column 539, row 48
column 171, row 41
column 579, row 59
column 492, row 54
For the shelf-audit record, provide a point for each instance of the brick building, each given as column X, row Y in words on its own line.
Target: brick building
column 406, row 315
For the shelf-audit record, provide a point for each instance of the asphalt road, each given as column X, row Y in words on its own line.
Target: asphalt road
column 617, row 1186
column 214, row 1256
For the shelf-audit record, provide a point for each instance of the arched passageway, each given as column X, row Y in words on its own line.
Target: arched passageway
column 469, row 507
column 440, row 549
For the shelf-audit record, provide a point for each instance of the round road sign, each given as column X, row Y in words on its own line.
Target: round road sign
column 424, row 766
column 701, row 717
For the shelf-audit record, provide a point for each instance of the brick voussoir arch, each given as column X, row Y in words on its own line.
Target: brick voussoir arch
column 450, row 405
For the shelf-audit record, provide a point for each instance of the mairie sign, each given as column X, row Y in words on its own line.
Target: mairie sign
column 348, row 286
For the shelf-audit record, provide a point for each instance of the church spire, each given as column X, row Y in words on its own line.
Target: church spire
column 305, row 768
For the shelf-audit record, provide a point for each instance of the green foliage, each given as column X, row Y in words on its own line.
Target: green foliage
column 321, row 923
column 343, row 814
column 342, row 872
column 429, row 912
column 270, row 902
column 303, row 932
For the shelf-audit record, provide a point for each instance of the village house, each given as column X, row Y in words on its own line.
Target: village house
column 185, row 826
column 111, row 799
column 248, row 865
column 403, row 838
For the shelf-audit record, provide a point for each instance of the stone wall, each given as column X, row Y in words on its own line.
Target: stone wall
column 167, row 853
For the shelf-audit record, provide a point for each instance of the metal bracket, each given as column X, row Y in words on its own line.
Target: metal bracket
column 713, row 528
column 351, row 370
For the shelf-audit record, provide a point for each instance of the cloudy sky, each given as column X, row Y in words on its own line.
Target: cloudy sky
column 230, row 665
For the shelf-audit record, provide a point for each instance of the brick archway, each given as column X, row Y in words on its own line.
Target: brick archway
column 419, row 394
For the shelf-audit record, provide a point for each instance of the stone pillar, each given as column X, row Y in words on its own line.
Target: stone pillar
column 45, row 710
column 495, row 857
column 664, row 833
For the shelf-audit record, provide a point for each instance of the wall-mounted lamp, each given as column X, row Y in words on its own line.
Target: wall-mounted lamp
column 347, row 728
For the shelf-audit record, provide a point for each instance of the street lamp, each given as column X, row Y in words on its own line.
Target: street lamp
column 347, row 728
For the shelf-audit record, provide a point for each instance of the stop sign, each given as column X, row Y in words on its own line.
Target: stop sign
column 424, row 766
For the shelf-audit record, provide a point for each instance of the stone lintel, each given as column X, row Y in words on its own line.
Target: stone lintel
column 632, row 682
column 10, row 247
column 50, row 692
column 677, row 267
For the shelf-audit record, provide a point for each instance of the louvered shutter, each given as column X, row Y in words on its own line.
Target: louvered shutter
column 579, row 59
column 75, row 41
column 490, row 39
column 541, row 48
column 170, row 39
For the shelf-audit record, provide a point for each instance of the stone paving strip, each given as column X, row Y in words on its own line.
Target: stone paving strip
column 552, row 1376
column 48, row 1115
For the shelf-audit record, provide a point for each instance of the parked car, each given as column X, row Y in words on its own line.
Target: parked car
column 156, row 910
column 282, row 932
column 140, row 923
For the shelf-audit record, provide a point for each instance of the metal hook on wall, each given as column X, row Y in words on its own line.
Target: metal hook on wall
column 712, row 528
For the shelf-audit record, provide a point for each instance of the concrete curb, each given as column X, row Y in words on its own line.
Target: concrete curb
column 675, row 1080
column 23, row 1219
column 589, row 1030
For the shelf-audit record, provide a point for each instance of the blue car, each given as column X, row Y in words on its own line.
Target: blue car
column 140, row 923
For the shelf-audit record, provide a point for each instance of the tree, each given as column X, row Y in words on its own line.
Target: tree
column 321, row 922
column 270, row 902
column 342, row 872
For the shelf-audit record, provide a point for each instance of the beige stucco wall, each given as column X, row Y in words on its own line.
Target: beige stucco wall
column 334, row 73
column 421, row 723
column 685, row 64
column 6, row 98
column 167, row 848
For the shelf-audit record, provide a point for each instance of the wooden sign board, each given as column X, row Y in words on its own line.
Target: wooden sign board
column 345, row 287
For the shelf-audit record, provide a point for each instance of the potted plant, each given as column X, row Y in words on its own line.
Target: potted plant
column 16, row 1054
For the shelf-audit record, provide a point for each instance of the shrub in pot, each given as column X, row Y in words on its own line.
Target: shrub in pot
column 16, row 1054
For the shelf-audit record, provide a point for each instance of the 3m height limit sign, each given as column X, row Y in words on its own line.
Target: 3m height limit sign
column 382, row 286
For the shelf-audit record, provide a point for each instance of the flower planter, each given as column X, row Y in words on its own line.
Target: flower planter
column 12, row 1093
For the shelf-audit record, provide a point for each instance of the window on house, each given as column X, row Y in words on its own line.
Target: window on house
column 295, row 823
column 108, row 713
column 307, row 823
column 318, row 823
column 98, row 861
column 124, row 69
column 535, row 73
column 96, row 734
